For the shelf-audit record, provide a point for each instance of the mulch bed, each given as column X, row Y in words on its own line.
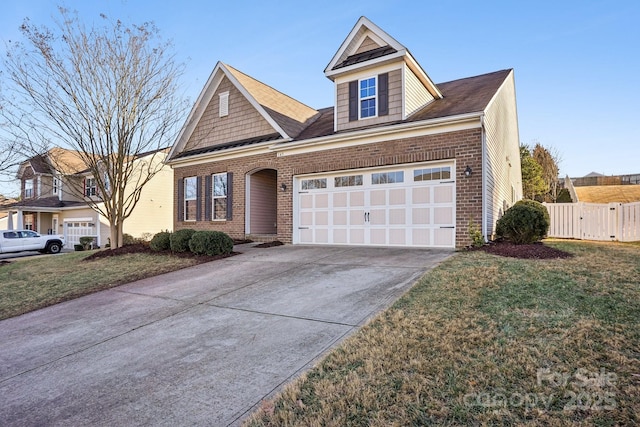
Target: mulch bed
column 139, row 248
column 529, row 251
column 269, row 244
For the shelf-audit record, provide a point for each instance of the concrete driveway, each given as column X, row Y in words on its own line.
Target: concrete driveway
column 200, row 346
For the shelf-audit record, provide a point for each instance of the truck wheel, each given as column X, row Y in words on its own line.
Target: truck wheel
column 54, row 248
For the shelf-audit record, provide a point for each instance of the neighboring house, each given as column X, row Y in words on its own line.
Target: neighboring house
column 56, row 186
column 398, row 161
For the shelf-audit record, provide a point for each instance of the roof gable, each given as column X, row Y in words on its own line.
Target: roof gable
column 55, row 161
column 364, row 36
column 287, row 116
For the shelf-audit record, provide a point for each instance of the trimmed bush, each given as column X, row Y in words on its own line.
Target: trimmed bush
column 525, row 222
column 179, row 240
column 161, row 241
column 128, row 239
column 210, row 243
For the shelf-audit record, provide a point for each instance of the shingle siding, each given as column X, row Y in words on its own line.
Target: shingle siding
column 242, row 122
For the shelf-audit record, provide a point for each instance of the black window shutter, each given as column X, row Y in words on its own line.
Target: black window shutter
column 207, row 198
column 383, row 94
column 198, row 199
column 353, row 100
column 229, row 196
column 181, row 199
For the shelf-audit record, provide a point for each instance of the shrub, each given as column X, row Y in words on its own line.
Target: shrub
column 477, row 239
column 525, row 222
column 128, row 239
column 210, row 243
column 161, row 241
column 179, row 240
column 86, row 241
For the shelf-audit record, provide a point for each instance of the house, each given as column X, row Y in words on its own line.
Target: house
column 397, row 161
column 57, row 186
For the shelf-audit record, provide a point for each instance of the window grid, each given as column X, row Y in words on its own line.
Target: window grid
column 28, row 189
column 219, row 196
column 368, row 97
column 348, row 181
column 387, row 177
column 432, row 174
column 314, row 184
column 190, row 198
column 90, row 187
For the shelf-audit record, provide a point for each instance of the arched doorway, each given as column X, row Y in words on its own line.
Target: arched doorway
column 262, row 203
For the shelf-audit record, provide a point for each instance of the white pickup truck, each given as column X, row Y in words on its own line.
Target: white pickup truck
column 27, row 240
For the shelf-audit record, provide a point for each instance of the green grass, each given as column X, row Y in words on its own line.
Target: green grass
column 485, row 340
column 33, row 283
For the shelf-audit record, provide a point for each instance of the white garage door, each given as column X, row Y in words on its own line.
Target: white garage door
column 74, row 229
column 401, row 206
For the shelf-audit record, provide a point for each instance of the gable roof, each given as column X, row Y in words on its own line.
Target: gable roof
column 287, row 116
column 56, row 160
column 347, row 54
column 369, row 45
column 462, row 96
column 609, row 193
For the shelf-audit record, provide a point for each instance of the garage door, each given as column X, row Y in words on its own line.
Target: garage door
column 401, row 206
column 77, row 228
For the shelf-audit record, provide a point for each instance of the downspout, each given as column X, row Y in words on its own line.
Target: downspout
column 485, row 217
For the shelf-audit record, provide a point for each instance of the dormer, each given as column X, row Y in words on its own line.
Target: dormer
column 376, row 79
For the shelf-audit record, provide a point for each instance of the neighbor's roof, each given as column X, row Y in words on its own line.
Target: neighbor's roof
column 45, row 202
column 57, row 159
column 609, row 193
column 468, row 95
column 290, row 114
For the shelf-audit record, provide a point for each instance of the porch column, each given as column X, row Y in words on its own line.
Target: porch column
column 20, row 224
column 10, row 221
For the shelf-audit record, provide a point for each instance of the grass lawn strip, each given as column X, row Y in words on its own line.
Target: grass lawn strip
column 488, row 340
column 28, row 285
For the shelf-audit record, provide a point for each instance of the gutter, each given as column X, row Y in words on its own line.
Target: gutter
column 223, row 154
column 376, row 131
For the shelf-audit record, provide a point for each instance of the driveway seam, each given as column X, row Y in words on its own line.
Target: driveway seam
column 288, row 316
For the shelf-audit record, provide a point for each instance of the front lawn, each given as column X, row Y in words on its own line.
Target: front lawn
column 484, row 339
column 33, row 283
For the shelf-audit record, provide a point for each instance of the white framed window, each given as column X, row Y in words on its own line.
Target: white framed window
column 90, row 188
column 347, row 181
column 387, row 177
column 367, row 94
column 28, row 188
column 314, row 184
column 224, row 104
column 219, row 196
column 190, row 198
column 56, row 185
column 432, row 174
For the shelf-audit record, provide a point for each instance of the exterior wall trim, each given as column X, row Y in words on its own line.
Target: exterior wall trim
column 228, row 154
column 373, row 135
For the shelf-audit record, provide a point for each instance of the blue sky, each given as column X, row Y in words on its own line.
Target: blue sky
column 577, row 63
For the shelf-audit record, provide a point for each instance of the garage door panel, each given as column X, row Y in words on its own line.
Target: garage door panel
column 340, row 200
column 356, row 198
column 442, row 216
column 322, row 218
column 322, row 235
column 420, row 195
column 421, row 236
column 378, row 217
column 379, row 236
column 340, row 218
column 306, row 201
column 443, row 194
column 421, row 216
column 340, row 235
column 356, row 236
column 397, row 196
column 356, row 217
column 378, row 197
column 397, row 216
column 322, row 201
column 398, row 236
column 443, row 237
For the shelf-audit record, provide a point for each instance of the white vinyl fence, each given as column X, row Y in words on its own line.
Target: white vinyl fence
column 595, row 221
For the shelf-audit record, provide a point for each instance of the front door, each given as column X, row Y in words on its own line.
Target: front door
column 54, row 224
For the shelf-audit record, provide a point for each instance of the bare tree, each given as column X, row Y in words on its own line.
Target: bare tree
column 108, row 92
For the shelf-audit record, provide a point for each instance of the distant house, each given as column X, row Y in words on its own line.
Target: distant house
column 397, row 161
column 56, row 188
column 608, row 194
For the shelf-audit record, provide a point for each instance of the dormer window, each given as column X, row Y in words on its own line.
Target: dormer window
column 368, row 94
column 28, row 189
column 90, row 187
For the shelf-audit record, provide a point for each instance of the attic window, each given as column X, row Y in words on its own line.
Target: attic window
column 224, row 104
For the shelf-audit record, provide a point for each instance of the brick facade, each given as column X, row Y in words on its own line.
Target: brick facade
column 464, row 146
